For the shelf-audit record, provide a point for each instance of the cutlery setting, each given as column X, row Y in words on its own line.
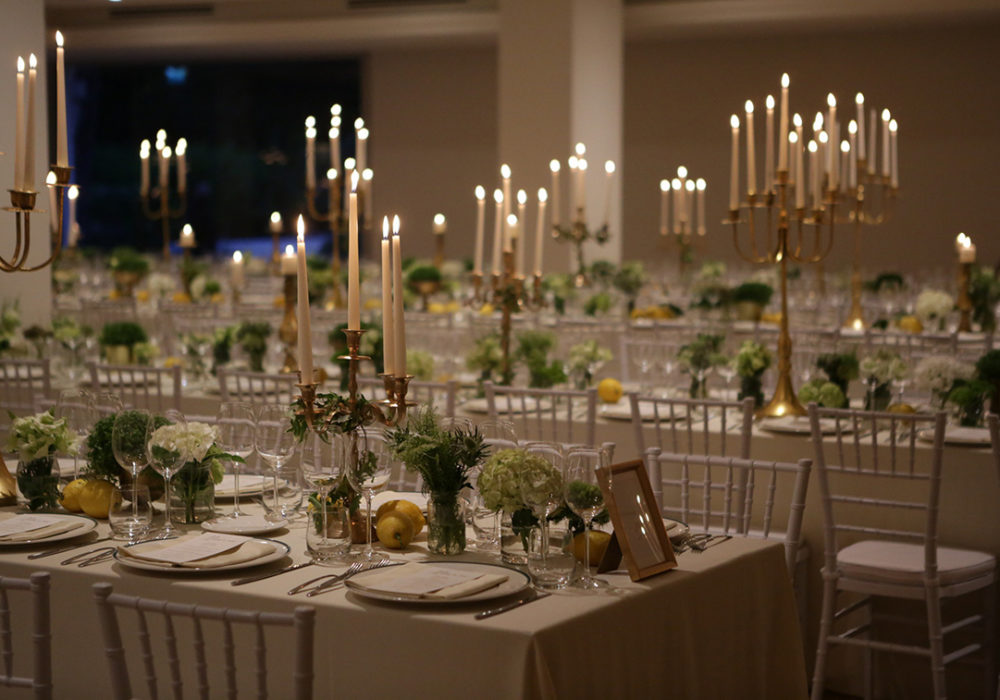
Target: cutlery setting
column 531, row 596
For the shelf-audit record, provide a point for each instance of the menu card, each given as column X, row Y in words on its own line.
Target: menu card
column 27, row 523
column 427, row 580
column 200, row 547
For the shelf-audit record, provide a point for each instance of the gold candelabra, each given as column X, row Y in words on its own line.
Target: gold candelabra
column 22, row 204
column 779, row 250
column 163, row 211
column 577, row 233
column 288, row 332
column 335, row 219
column 964, row 302
column 865, row 210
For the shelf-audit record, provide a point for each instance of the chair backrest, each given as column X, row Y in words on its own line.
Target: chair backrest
column 552, row 415
column 41, row 678
column 24, row 385
column 993, row 422
column 442, row 396
column 256, row 387
column 731, row 496
column 856, row 450
column 302, row 620
column 97, row 312
column 152, row 388
column 692, row 426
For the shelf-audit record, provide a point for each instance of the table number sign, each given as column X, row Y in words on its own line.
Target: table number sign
column 638, row 525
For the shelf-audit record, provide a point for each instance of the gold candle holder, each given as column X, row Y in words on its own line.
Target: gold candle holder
column 22, row 204
column 578, row 233
column 780, row 252
column 288, row 332
column 163, row 212
column 964, row 303
column 438, row 250
column 509, row 293
column 335, row 219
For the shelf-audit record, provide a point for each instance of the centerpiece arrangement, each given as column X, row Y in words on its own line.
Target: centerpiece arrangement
column 699, row 356
column 752, row 360
column 37, row 440
column 879, row 370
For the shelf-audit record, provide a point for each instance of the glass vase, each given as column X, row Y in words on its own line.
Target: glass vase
column 515, row 533
column 879, row 397
column 751, row 387
column 192, row 494
column 328, row 535
column 445, row 524
column 38, row 482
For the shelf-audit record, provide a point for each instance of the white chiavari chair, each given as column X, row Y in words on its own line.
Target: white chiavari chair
column 233, row 623
column 40, row 680
column 550, row 415
column 887, row 546
column 256, row 387
column 154, row 388
column 24, row 385
column 98, row 312
column 692, row 426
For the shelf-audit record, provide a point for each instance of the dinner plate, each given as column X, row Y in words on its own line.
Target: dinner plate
column 799, row 425
column 676, row 529
column 250, row 485
column 280, row 551
column 958, row 435
column 244, row 525
column 88, row 525
column 623, row 411
column 516, row 582
column 480, row 405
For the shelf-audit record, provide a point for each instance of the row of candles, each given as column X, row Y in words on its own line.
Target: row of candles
column 24, row 134
column 831, row 160
column 333, row 173
column 164, row 155
column 577, row 166
column 684, row 207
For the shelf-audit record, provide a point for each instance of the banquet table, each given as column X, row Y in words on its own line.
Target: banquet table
column 722, row 624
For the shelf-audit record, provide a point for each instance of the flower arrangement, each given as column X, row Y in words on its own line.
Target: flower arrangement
column 629, row 280
column 984, row 294
column 36, row 440
column 708, row 289
column 824, row 393
column 252, row 337
column 562, row 289
column 988, row 369
column 599, row 303
column 126, row 333
column 533, row 349
column 194, row 444
column 101, row 462
column 750, row 363
column 698, row 356
column 499, row 483
column 886, row 282
column 222, row 346
column 145, row 353
column 584, row 359
column 753, row 293
column 420, row 364
column 879, row 370
column 934, row 305
column 485, row 357
column 161, row 285
column 128, row 260
column 11, row 341
column 969, row 397
column 839, row 368
column 938, row 374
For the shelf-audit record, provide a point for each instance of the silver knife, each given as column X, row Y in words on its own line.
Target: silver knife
column 261, row 577
column 60, row 550
column 530, row 598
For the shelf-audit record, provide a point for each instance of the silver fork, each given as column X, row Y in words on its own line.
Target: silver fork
column 330, row 585
column 352, row 569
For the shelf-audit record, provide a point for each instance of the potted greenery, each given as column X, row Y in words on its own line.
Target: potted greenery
column 561, row 287
column 886, row 282
column 486, row 358
column 36, row 440
column 969, row 398
column 938, row 375
column 879, row 370
column 750, row 298
column 101, row 462
column 599, row 303
column 984, row 293
column 424, row 280
column 699, row 356
column 839, row 368
column 988, row 370
column 533, row 349
column 118, row 339
column 584, row 360
column 629, row 280
column 750, row 363
column 128, row 267
column 222, row 346
column 443, row 458
column 252, row 337
column 822, row 392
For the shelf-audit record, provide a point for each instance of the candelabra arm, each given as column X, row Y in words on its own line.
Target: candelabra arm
column 23, row 204
column 313, row 212
column 181, row 206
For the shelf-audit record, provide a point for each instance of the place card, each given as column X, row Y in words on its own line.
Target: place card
column 27, row 523
column 427, row 580
column 200, row 547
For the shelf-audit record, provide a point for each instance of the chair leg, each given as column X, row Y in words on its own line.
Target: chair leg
column 869, row 669
column 935, row 638
column 825, row 625
column 989, row 636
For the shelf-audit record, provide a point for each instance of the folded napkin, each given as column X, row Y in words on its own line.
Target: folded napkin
column 467, row 588
column 44, row 532
column 247, row 551
column 383, row 581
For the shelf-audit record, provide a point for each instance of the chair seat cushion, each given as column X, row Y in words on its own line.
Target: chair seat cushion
column 899, row 562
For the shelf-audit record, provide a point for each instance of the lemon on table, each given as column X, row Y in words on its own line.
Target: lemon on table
column 901, row 408
column 408, row 507
column 910, row 324
column 70, row 499
column 395, row 530
column 95, row 497
column 610, row 390
column 598, row 542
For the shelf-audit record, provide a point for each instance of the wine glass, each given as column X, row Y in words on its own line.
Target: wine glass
column 542, row 492
column 76, row 407
column 106, row 403
column 235, row 421
column 274, row 441
column 166, row 460
column 369, row 465
column 582, row 491
column 128, row 443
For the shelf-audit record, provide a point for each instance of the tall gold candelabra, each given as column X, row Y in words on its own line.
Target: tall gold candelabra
column 335, row 219
column 288, row 331
column 163, row 211
column 869, row 210
column 964, row 303
column 579, row 233
column 779, row 250
column 22, row 204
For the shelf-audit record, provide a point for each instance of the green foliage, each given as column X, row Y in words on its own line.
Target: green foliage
column 839, row 368
column 533, row 349
column 191, row 268
column 988, row 367
column 984, row 294
column 599, row 303
column 252, row 337
column 420, row 364
column 38, row 484
column 422, row 273
column 122, row 333
column 703, row 353
column 101, row 461
column 128, row 259
column 212, row 287
column 486, row 356
column 754, row 292
column 826, row 394
column 602, row 272
column 222, row 345
column 970, row 396
column 442, row 457
column 886, row 281
column 630, row 278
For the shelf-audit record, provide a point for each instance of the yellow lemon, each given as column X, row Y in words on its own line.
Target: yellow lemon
column 452, row 307
column 173, row 361
column 910, row 324
column 771, row 318
column 395, row 530
column 142, row 295
column 70, row 499
column 409, row 508
column 598, row 542
column 435, row 307
column 114, row 294
column 901, row 408
column 95, row 497
column 486, row 309
column 610, row 390
column 181, row 298
column 218, row 298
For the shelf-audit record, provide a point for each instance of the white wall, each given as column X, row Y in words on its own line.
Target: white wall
column 22, row 32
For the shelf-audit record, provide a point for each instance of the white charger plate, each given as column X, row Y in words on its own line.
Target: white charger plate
column 959, row 435
column 516, row 582
column 280, row 551
column 799, row 425
column 245, row 525
column 88, row 525
column 479, row 405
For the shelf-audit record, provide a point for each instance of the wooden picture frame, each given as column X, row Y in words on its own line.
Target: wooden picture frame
column 638, row 524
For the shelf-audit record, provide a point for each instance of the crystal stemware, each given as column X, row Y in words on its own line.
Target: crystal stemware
column 542, row 492
column 128, row 444
column 166, row 459
column 369, row 465
column 323, row 472
column 235, row 421
column 582, row 491
column 76, row 407
column 498, row 434
column 275, row 443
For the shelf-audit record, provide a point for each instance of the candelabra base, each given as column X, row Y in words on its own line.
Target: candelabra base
column 783, row 403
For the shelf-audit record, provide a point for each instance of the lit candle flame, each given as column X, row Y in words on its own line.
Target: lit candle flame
column 395, row 224
column 701, row 184
column 769, row 102
column 354, row 180
column 580, row 149
column 664, row 185
column 480, row 193
column 543, row 195
column 310, row 122
column 237, row 256
column 59, row 38
column 385, row 227
column 73, row 192
column 522, row 197
column 554, row 165
column 498, row 196
column 682, row 172
column 275, row 217
column 505, row 171
column 439, row 219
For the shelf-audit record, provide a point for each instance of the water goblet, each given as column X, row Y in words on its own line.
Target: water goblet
column 76, row 407
column 275, row 443
column 130, row 512
column 582, row 491
column 542, row 492
column 166, row 458
column 326, row 541
column 235, row 421
column 369, row 465
column 128, row 444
